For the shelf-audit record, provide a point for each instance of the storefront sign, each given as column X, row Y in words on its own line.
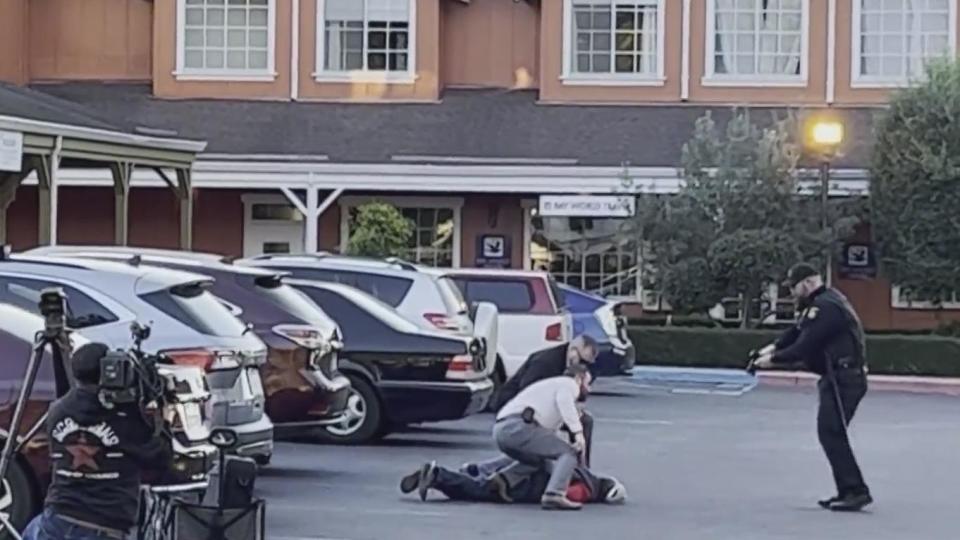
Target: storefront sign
column 493, row 251
column 11, row 150
column 858, row 261
column 599, row 206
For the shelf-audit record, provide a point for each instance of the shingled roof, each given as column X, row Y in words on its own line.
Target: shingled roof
column 466, row 123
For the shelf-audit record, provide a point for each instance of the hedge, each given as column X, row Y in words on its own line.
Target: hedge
column 710, row 347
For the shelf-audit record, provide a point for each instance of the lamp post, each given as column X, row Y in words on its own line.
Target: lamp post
column 826, row 137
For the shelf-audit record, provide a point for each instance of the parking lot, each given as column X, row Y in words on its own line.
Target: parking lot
column 696, row 466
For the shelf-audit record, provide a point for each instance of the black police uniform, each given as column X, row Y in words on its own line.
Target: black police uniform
column 829, row 339
column 98, row 455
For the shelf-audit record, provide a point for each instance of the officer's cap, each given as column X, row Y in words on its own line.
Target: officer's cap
column 798, row 273
column 86, row 362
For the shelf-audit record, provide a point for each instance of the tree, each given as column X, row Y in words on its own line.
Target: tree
column 915, row 186
column 380, row 231
column 739, row 221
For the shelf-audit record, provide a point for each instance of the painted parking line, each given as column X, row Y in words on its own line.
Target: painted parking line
column 354, row 510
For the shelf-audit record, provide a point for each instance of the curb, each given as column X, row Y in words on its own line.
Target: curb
column 893, row 383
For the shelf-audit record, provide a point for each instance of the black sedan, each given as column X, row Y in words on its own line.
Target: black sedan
column 400, row 373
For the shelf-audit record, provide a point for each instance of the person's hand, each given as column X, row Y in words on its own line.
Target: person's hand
column 764, row 361
column 579, row 443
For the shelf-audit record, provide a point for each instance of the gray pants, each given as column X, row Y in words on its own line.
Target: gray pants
column 531, row 445
column 491, row 466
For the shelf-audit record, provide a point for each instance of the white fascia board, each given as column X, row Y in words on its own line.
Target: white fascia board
column 25, row 125
column 436, row 178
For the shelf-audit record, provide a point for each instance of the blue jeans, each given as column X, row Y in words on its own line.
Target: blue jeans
column 49, row 526
column 461, row 487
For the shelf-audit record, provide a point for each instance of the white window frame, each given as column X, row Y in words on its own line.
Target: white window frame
column 350, row 202
column 321, row 74
column 570, row 78
column 182, row 73
column 250, row 199
column 874, row 81
column 711, row 78
column 898, row 302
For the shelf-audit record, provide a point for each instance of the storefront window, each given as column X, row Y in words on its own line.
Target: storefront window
column 432, row 241
column 596, row 255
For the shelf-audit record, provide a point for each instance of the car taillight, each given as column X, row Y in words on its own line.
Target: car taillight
column 554, row 332
column 304, row 336
column 441, row 321
column 461, row 363
column 200, row 358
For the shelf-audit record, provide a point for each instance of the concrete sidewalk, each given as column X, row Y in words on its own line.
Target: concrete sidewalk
column 899, row 383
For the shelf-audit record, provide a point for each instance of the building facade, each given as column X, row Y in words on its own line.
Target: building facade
column 466, row 114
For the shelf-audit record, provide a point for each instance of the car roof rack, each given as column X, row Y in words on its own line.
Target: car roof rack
column 404, row 264
column 269, row 256
column 135, row 260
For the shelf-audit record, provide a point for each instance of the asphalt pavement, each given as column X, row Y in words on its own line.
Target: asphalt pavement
column 695, row 466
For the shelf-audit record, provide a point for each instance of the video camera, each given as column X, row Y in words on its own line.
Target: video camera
column 132, row 377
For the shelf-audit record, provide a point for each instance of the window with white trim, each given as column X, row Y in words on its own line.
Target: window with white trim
column 435, row 228
column 757, row 39
column 225, row 37
column 902, row 298
column 615, row 37
column 894, row 39
column 365, row 35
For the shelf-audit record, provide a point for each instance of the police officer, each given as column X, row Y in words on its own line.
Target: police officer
column 828, row 339
column 98, row 454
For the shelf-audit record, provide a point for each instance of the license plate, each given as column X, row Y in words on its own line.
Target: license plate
column 256, row 384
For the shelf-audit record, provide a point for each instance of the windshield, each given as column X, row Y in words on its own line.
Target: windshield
column 298, row 304
column 194, row 306
column 451, row 296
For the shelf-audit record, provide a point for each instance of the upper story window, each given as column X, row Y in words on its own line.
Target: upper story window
column 613, row 41
column 225, row 39
column 894, row 39
column 372, row 38
column 757, row 42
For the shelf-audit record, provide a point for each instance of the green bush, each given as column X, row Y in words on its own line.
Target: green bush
column 707, row 347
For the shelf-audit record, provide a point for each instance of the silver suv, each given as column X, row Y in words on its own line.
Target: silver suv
column 188, row 325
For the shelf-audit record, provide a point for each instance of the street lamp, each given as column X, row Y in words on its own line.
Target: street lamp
column 826, row 136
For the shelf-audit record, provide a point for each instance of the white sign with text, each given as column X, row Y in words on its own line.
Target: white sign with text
column 587, row 206
column 11, row 150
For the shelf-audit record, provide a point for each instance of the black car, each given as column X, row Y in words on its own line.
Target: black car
column 400, row 373
column 302, row 383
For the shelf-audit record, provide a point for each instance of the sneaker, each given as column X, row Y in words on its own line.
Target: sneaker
column 470, row 469
column 410, row 482
column 428, row 475
column 825, row 503
column 852, row 503
column 555, row 501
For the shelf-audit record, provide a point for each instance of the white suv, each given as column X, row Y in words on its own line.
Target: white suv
column 532, row 313
column 421, row 295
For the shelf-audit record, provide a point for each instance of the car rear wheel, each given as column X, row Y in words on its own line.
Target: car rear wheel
column 363, row 422
column 18, row 500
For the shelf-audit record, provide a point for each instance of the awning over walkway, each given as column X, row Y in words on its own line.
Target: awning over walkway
column 49, row 133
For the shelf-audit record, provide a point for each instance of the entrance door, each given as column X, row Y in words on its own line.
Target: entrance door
column 271, row 225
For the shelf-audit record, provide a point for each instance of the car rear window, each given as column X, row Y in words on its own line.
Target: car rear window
column 195, row 307
column 294, row 302
column 388, row 289
column 510, row 295
column 82, row 311
column 371, row 305
column 451, row 295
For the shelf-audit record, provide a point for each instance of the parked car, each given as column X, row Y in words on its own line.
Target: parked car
column 188, row 325
column 28, row 475
column 427, row 298
column 400, row 373
column 531, row 310
column 598, row 318
column 303, row 385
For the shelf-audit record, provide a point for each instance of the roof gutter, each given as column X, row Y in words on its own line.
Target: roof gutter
column 15, row 123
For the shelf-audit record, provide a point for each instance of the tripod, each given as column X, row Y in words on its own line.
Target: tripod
column 55, row 336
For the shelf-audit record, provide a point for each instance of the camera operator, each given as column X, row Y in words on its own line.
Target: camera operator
column 98, row 454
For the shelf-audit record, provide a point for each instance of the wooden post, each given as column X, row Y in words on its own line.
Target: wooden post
column 45, row 193
column 122, row 172
column 9, row 182
column 185, row 196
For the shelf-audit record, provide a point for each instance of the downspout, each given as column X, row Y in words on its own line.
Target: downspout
column 54, row 190
column 295, row 51
column 831, row 51
column 685, row 53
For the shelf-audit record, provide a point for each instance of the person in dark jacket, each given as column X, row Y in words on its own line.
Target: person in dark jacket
column 98, row 455
column 585, row 487
column 828, row 340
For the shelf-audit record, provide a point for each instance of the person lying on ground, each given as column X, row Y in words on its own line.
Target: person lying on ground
column 584, row 487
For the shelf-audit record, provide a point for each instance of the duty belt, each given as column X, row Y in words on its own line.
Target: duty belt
column 527, row 416
column 106, row 531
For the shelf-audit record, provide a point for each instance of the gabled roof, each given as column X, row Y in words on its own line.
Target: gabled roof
column 467, row 125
